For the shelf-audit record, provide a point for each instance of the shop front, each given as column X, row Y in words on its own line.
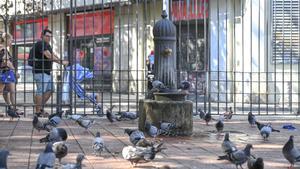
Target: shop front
column 191, row 20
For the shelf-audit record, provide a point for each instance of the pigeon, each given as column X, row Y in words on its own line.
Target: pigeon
column 241, row 156
column 291, row 153
column 141, row 154
column 156, row 84
column 74, row 117
column 85, row 123
column 98, row 144
column 167, row 128
column 56, row 134
column 228, row 146
column 128, row 116
column 54, row 119
column 228, row 115
column 46, row 158
column 144, row 143
column 207, row 118
column 59, row 114
column 185, row 85
column 38, row 125
column 265, row 130
column 259, row 125
column 98, row 110
column 134, row 135
column 78, row 164
column 12, row 114
column 251, row 119
column 151, row 130
column 3, row 158
column 110, row 116
column 220, row 124
column 297, row 112
column 60, row 150
column 255, row 163
column 201, row 113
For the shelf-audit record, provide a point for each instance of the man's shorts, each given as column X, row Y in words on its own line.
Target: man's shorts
column 43, row 83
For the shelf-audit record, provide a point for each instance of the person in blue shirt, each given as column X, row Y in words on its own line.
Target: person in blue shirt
column 150, row 61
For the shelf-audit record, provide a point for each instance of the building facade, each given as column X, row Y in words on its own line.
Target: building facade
column 233, row 51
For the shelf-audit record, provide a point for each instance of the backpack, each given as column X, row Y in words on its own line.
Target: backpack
column 31, row 56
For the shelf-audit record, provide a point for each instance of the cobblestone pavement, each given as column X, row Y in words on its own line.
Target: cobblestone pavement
column 198, row 151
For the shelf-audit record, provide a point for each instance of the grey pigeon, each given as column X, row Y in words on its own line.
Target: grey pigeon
column 201, row 113
column 185, row 85
column 151, row 130
column 98, row 144
column 59, row 114
column 156, row 84
column 205, row 116
column 60, row 150
column 140, row 154
column 128, row 116
column 259, row 125
column 46, row 159
column 3, row 158
column 54, row 119
column 98, row 110
column 167, row 128
column 255, row 163
column 291, row 153
column 220, row 124
column 241, row 156
column 110, row 116
column 266, row 130
column 134, row 135
column 38, row 125
column 85, row 123
column 77, row 165
column 251, row 119
column 228, row 146
column 74, row 117
column 12, row 114
column 229, row 114
column 56, row 134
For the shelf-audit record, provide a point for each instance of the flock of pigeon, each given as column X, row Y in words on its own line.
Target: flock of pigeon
column 239, row 157
column 142, row 149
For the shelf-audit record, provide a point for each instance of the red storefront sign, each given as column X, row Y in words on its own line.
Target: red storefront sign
column 96, row 23
column 29, row 30
column 189, row 9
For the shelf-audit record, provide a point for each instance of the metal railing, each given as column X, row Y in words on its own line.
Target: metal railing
column 223, row 49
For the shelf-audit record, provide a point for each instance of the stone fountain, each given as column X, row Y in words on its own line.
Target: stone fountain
column 171, row 106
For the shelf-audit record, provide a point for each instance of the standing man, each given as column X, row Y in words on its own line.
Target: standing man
column 42, row 68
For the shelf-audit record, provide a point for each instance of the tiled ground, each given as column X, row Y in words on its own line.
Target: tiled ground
column 198, row 151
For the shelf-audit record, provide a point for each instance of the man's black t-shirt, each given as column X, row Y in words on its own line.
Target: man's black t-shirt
column 41, row 63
